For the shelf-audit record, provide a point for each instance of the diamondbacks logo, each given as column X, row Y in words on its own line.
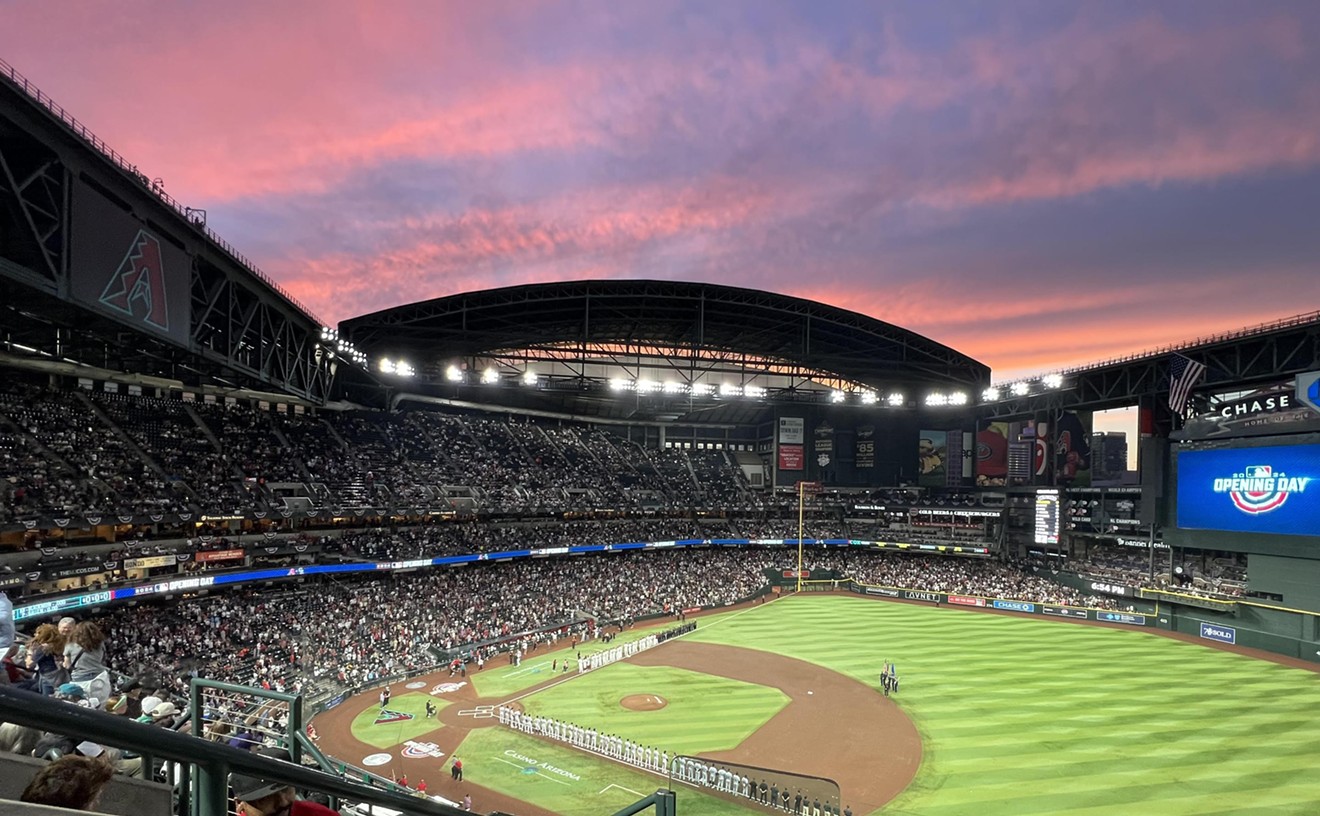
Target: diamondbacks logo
column 389, row 716
column 137, row 288
column 1258, row 489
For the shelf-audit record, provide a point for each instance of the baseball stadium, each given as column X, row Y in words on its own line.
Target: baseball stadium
column 621, row 546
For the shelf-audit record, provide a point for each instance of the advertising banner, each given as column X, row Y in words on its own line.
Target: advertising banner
column 992, row 455
column 1270, row 489
column 966, row 600
column 150, row 562
column 932, row 453
column 792, row 430
column 865, row 446
column 1121, row 617
column 220, row 555
column 1072, row 449
column 122, row 267
column 1064, row 611
column 1223, row 634
column 790, row 457
column 1015, row 606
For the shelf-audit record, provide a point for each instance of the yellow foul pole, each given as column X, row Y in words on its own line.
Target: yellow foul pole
column 802, row 486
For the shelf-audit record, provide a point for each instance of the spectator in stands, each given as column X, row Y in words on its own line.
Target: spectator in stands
column 84, row 657
column 7, row 634
column 72, row 781
column 255, row 796
column 45, row 653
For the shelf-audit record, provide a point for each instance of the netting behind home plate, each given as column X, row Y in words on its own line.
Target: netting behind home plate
column 751, row 786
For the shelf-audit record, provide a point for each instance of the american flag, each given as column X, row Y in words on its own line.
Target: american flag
column 1184, row 374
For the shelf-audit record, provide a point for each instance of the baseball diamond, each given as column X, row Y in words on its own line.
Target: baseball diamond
column 998, row 713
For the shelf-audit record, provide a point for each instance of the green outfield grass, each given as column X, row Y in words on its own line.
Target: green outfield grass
column 499, row 679
column 1024, row 716
column 705, row 713
column 498, row 758
column 389, row 734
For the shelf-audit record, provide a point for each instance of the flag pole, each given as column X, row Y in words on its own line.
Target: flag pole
column 802, row 488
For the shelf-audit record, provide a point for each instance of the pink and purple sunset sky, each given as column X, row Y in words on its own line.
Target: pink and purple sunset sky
column 1037, row 184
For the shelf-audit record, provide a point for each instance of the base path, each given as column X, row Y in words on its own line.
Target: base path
column 843, row 730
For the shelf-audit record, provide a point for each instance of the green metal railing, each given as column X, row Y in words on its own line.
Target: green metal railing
column 206, row 765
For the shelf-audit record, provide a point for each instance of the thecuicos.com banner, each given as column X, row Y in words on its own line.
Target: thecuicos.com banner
column 1251, row 490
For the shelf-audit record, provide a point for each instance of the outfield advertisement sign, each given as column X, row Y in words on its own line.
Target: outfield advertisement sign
column 918, row 595
column 966, row 600
column 885, row 591
column 1064, row 611
column 1015, row 606
column 1223, row 634
column 1121, row 617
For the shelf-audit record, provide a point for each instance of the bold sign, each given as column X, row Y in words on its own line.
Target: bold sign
column 1064, row 611
column 1109, row 589
column 1272, row 489
column 1308, row 389
column 220, row 555
column 797, row 573
column 917, row 595
column 1121, row 617
column 122, row 267
column 966, row 600
column 1016, row 606
column 790, row 457
column 149, row 562
column 885, row 591
column 422, row 750
column 792, row 430
column 1223, row 634
column 386, row 715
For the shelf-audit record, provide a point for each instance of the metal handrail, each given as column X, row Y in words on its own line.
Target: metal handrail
column 35, row 94
column 210, row 762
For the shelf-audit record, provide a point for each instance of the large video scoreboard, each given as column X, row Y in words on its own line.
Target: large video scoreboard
column 1263, row 489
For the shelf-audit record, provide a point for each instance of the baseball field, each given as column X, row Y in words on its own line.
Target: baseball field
column 996, row 714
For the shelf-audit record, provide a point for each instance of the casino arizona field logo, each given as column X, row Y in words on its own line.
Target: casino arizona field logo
column 1258, row 489
column 388, row 716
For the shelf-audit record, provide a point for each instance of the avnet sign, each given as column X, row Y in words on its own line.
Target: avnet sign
column 1223, row 634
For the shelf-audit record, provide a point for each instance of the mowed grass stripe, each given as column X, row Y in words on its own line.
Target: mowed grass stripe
column 1030, row 715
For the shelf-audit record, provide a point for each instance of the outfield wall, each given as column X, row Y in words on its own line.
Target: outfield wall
column 1288, row 632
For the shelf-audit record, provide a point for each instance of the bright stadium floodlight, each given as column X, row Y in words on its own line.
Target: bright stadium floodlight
column 454, row 374
column 672, row 387
column 870, row 398
column 1053, row 380
column 647, row 386
column 990, row 394
column 702, row 389
column 754, row 391
column 836, row 396
column 1020, row 389
column 529, row 377
column 936, row 399
column 405, row 369
column 619, row 384
column 894, row 400
column 490, row 376
column 730, row 390
column 958, row 398
column 386, row 366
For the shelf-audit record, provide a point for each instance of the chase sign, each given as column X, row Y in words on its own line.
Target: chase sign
column 1308, row 389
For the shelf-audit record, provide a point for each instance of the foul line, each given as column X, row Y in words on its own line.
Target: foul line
column 538, row 773
column 533, row 667
column 620, row 787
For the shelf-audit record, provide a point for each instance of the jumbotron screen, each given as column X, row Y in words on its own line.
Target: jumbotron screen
column 1272, row 489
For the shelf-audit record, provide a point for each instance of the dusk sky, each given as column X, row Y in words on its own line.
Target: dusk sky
column 1037, row 184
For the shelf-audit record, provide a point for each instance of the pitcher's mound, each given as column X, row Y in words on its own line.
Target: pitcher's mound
column 643, row 702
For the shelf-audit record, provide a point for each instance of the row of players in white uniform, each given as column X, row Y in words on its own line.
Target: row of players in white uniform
column 685, row 769
column 605, row 658
column 587, row 739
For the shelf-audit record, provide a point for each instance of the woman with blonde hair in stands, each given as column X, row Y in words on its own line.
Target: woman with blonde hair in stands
column 84, row 657
column 45, row 655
